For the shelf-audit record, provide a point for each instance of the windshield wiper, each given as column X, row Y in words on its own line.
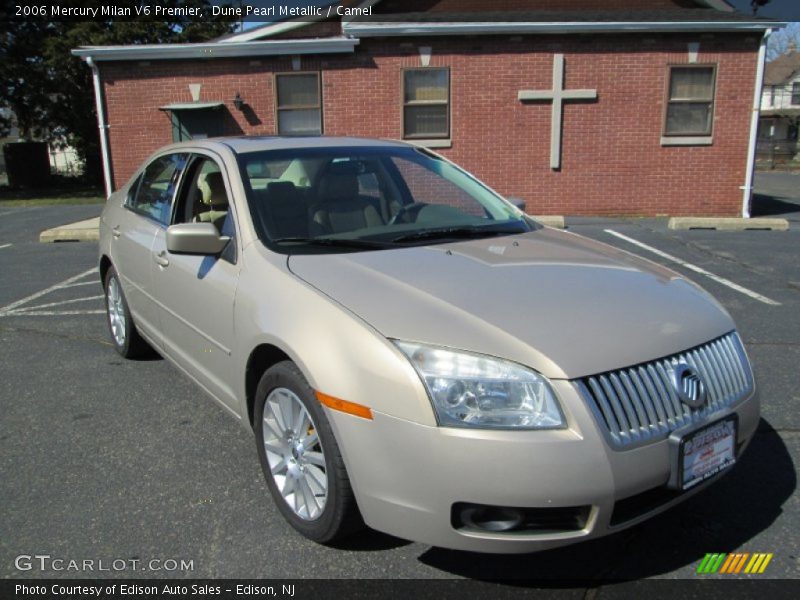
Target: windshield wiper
column 455, row 232
column 334, row 242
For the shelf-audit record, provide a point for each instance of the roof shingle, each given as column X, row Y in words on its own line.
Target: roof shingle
column 782, row 68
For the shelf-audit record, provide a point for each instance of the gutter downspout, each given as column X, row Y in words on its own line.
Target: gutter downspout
column 101, row 125
column 751, row 150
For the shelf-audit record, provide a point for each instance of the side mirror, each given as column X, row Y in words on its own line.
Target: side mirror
column 195, row 238
column 518, row 202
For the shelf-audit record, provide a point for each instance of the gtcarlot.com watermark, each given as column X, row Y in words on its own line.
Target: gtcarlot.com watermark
column 46, row 562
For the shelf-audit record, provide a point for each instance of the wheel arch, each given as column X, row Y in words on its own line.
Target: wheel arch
column 262, row 357
column 104, row 266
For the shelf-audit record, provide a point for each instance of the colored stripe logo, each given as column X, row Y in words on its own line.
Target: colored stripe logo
column 734, row 564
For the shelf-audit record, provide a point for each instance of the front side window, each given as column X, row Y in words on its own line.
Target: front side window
column 298, row 104
column 204, row 197
column 426, row 103
column 156, row 187
column 690, row 101
column 796, row 94
column 368, row 198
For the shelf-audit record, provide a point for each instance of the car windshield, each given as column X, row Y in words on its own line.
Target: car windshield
column 344, row 199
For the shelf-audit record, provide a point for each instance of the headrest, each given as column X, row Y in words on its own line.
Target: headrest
column 213, row 188
column 280, row 191
column 338, row 186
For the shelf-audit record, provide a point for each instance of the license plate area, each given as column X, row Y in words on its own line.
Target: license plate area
column 704, row 453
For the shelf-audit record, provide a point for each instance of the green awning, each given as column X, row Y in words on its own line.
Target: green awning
column 190, row 105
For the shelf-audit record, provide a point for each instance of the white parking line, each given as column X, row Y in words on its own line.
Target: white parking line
column 52, row 313
column 25, row 309
column 5, row 310
column 69, row 285
column 5, row 246
column 696, row 269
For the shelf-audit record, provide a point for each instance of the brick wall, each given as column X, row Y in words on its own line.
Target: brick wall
column 612, row 158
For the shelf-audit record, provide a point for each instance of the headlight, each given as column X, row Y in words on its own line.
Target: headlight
column 472, row 390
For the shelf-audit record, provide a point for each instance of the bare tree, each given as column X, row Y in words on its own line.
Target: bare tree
column 784, row 40
column 756, row 4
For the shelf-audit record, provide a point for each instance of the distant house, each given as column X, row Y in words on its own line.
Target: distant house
column 780, row 109
column 13, row 136
column 63, row 158
column 638, row 107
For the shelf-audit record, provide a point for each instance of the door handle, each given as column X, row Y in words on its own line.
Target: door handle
column 161, row 259
column 116, row 232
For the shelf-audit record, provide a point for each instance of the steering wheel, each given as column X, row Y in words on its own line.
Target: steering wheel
column 407, row 213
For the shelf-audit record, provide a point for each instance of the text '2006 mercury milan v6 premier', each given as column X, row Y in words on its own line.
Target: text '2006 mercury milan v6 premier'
column 413, row 352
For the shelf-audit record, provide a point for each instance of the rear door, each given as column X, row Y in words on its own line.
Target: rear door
column 196, row 293
column 146, row 212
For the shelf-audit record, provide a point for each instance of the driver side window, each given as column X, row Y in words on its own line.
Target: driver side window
column 156, row 187
column 204, row 198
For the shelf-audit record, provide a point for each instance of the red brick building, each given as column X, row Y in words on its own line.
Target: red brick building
column 638, row 107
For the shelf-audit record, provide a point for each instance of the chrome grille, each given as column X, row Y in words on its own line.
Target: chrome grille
column 638, row 405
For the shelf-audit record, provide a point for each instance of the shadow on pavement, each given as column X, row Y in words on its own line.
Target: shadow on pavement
column 769, row 206
column 370, row 540
column 719, row 519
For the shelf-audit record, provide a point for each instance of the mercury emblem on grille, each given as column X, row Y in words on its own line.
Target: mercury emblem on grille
column 689, row 385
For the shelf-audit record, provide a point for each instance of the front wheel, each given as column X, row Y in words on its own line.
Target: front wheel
column 126, row 338
column 300, row 458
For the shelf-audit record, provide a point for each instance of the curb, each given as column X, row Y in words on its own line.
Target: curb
column 82, row 231
column 728, row 223
column 556, row 221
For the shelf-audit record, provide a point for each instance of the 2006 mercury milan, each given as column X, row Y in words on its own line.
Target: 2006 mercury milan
column 413, row 352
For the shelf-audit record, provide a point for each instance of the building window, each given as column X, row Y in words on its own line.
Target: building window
column 796, row 94
column 298, row 103
column 690, row 102
column 426, row 103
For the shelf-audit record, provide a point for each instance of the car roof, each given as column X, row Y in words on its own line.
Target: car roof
column 244, row 144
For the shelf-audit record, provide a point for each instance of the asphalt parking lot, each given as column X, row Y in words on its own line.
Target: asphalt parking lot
column 111, row 459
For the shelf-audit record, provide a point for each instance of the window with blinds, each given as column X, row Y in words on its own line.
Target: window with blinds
column 426, row 103
column 690, row 101
column 298, row 102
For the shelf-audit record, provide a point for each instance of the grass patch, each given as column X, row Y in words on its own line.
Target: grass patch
column 63, row 200
column 764, row 166
column 54, row 196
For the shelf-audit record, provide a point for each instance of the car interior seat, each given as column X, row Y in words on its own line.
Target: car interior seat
column 339, row 207
column 283, row 211
column 213, row 200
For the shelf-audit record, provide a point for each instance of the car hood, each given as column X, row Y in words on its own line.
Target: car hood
column 562, row 304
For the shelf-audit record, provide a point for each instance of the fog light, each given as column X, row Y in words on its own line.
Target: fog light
column 491, row 518
column 481, row 518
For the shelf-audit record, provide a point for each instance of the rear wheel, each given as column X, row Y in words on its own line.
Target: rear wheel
column 126, row 338
column 301, row 460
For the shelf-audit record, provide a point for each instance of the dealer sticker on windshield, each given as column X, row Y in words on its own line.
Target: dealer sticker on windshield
column 708, row 451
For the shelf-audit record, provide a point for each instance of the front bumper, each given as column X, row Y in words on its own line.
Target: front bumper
column 407, row 477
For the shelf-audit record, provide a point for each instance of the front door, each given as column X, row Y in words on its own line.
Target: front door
column 147, row 213
column 196, row 293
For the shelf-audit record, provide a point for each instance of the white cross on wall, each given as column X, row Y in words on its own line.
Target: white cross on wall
column 558, row 95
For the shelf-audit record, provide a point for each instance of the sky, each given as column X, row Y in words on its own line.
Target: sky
column 788, row 10
column 779, row 9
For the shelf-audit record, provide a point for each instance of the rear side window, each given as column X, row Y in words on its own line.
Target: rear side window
column 157, row 185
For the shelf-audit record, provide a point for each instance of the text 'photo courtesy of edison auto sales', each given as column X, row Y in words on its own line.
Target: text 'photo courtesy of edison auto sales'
column 413, row 353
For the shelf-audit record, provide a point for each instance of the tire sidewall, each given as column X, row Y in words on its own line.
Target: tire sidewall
column 123, row 349
column 286, row 375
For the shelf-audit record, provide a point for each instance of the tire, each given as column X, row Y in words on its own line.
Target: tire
column 125, row 337
column 305, row 458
